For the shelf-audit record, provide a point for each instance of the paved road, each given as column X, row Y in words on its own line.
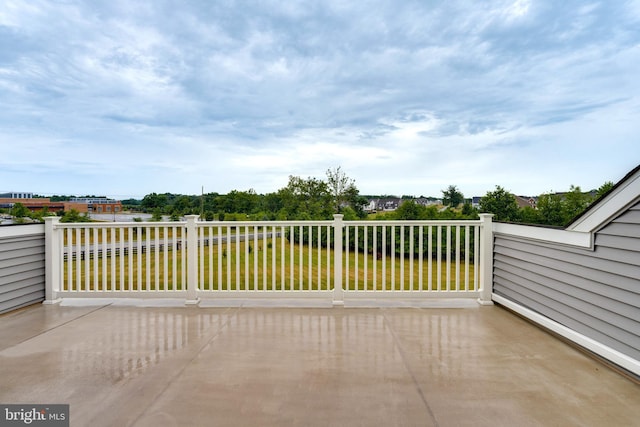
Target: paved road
column 160, row 244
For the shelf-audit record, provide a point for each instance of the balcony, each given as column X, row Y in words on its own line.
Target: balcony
column 327, row 323
column 158, row 363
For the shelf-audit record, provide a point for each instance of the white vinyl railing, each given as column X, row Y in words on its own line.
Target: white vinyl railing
column 265, row 256
column 333, row 259
column 433, row 256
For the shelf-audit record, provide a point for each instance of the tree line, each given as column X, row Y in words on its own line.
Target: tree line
column 557, row 209
column 300, row 199
column 318, row 199
column 22, row 215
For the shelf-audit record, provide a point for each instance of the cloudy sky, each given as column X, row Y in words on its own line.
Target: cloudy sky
column 124, row 98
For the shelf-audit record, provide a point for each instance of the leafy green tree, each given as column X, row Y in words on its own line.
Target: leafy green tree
column 182, row 206
column 452, row 197
column 550, row 208
column 409, row 210
column 272, row 202
column 209, row 202
column 604, row 189
column 40, row 214
column 529, row 215
column 132, row 204
column 469, row 211
column 153, row 201
column 431, row 212
column 18, row 211
column 74, row 216
column 281, row 215
column 575, row 202
column 501, row 203
column 350, row 214
column 156, row 215
column 306, row 199
column 341, row 187
column 245, row 202
column 448, row 214
column 358, row 206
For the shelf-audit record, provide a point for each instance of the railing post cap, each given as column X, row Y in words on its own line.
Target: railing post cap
column 338, row 216
column 486, row 216
column 51, row 218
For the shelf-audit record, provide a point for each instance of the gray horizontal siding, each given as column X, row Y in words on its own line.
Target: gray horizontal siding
column 595, row 293
column 22, row 273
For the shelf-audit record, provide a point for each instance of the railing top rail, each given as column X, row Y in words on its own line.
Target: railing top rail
column 262, row 223
column 414, row 222
column 74, row 225
column 119, row 224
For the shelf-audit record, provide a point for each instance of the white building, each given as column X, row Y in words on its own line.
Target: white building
column 16, row 195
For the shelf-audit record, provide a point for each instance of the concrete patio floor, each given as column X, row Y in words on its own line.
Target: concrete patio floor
column 124, row 365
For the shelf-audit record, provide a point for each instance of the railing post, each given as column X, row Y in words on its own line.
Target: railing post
column 486, row 259
column 338, row 291
column 192, row 260
column 51, row 260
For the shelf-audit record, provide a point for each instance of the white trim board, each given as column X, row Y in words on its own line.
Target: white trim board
column 543, row 234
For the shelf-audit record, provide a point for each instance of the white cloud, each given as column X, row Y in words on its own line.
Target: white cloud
column 518, row 9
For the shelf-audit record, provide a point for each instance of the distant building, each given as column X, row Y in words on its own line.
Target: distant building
column 387, row 204
column 370, row 206
column 80, row 204
column 382, row 204
column 14, row 195
column 524, row 201
column 40, row 203
column 99, row 204
column 424, row 201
